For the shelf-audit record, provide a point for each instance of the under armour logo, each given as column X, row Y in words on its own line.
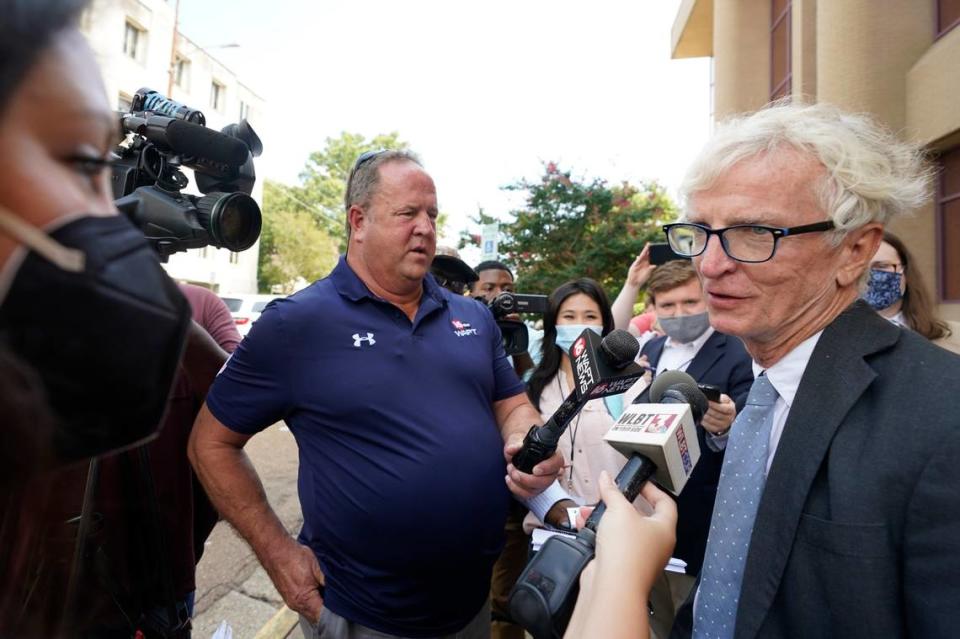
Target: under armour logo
column 357, row 340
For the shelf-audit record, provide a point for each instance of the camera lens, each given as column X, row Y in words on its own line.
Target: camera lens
column 232, row 219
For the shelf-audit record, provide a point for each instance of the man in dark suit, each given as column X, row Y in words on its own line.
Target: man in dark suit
column 837, row 513
column 710, row 357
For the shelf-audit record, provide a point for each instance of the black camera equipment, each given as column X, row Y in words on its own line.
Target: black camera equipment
column 601, row 367
column 545, row 594
column 163, row 136
column 514, row 331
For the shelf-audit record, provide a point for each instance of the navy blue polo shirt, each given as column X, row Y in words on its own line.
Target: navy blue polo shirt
column 401, row 475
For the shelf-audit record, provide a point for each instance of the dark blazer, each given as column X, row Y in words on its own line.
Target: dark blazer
column 723, row 362
column 858, row 530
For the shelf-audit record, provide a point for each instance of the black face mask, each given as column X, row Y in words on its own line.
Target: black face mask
column 93, row 313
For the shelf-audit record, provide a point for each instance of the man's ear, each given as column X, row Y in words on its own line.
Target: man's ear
column 359, row 221
column 859, row 247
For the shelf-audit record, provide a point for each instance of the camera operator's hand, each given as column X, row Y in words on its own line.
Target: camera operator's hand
column 527, row 485
column 295, row 571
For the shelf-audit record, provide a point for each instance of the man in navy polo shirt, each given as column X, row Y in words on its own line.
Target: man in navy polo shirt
column 404, row 408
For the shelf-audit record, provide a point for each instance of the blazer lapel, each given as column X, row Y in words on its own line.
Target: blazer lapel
column 707, row 356
column 656, row 350
column 833, row 381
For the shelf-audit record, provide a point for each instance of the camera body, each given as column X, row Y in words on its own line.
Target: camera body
column 512, row 329
column 163, row 136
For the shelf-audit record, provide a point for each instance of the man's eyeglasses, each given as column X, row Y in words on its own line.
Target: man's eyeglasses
column 750, row 243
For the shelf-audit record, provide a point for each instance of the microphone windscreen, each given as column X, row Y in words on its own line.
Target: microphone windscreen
column 682, row 383
column 619, row 348
column 199, row 141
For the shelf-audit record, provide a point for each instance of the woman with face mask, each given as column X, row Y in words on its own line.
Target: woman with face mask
column 898, row 293
column 91, row 328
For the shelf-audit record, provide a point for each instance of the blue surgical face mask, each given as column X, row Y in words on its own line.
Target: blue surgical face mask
column 566, row 333
column 883, row 289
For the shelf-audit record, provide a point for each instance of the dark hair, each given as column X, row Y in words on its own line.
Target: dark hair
column 917, row 307
column 492, row 265
column 26, row 30
column 550, row 361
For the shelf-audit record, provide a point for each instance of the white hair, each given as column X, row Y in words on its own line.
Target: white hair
column 871, row 176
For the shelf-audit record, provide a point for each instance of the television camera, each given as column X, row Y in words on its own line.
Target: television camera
column 164, row 136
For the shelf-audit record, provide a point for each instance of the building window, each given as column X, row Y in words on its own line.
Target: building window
column 134, row 41
column 781, row 67
column 124, row 102
column 218, row 94
column 244, row 110
column 948, row 201
column 234, row 258
column 948, row 15
column 181, row 72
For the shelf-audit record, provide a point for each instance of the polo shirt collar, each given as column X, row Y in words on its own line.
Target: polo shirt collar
column 350, row 286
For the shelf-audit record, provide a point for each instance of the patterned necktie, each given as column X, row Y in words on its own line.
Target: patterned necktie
column 738, row 496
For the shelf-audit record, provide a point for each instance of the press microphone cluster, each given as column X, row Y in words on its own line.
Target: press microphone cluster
column 544, row 596
column 601, row 367
column 665, row 430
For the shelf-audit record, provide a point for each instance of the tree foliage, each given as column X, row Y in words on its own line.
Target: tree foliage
column 293, row 248
column 304, row 225
column 572, row 227
column 324, row 178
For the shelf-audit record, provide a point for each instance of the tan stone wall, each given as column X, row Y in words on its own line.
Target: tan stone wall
column 804, row 49
column 865, row 49
column 741, row 50
column 933, row 91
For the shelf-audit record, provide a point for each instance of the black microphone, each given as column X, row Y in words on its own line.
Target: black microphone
column 187, row 139
column 601, row 367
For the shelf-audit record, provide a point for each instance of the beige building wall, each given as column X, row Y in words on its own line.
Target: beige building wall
column 105, row 23
column 741, row 52
column 862, row 55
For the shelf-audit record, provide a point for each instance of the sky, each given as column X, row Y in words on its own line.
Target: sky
column 484, row 92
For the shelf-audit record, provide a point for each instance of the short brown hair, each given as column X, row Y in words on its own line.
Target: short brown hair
column 669, row 276
column 364, row 178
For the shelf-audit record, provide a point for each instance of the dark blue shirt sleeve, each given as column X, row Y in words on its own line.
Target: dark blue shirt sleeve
column 254, row 390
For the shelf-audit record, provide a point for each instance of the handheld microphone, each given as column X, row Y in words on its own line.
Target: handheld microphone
column 601, row 367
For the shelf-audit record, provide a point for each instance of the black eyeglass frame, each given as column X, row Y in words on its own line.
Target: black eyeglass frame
column 778, row 232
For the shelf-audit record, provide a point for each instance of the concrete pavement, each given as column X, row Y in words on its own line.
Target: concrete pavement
column 231, row 585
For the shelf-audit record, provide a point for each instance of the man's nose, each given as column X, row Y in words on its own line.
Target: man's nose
column 714, row 261
column 425, row 224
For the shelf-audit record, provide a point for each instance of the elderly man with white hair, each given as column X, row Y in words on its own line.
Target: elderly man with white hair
column 838, row 508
